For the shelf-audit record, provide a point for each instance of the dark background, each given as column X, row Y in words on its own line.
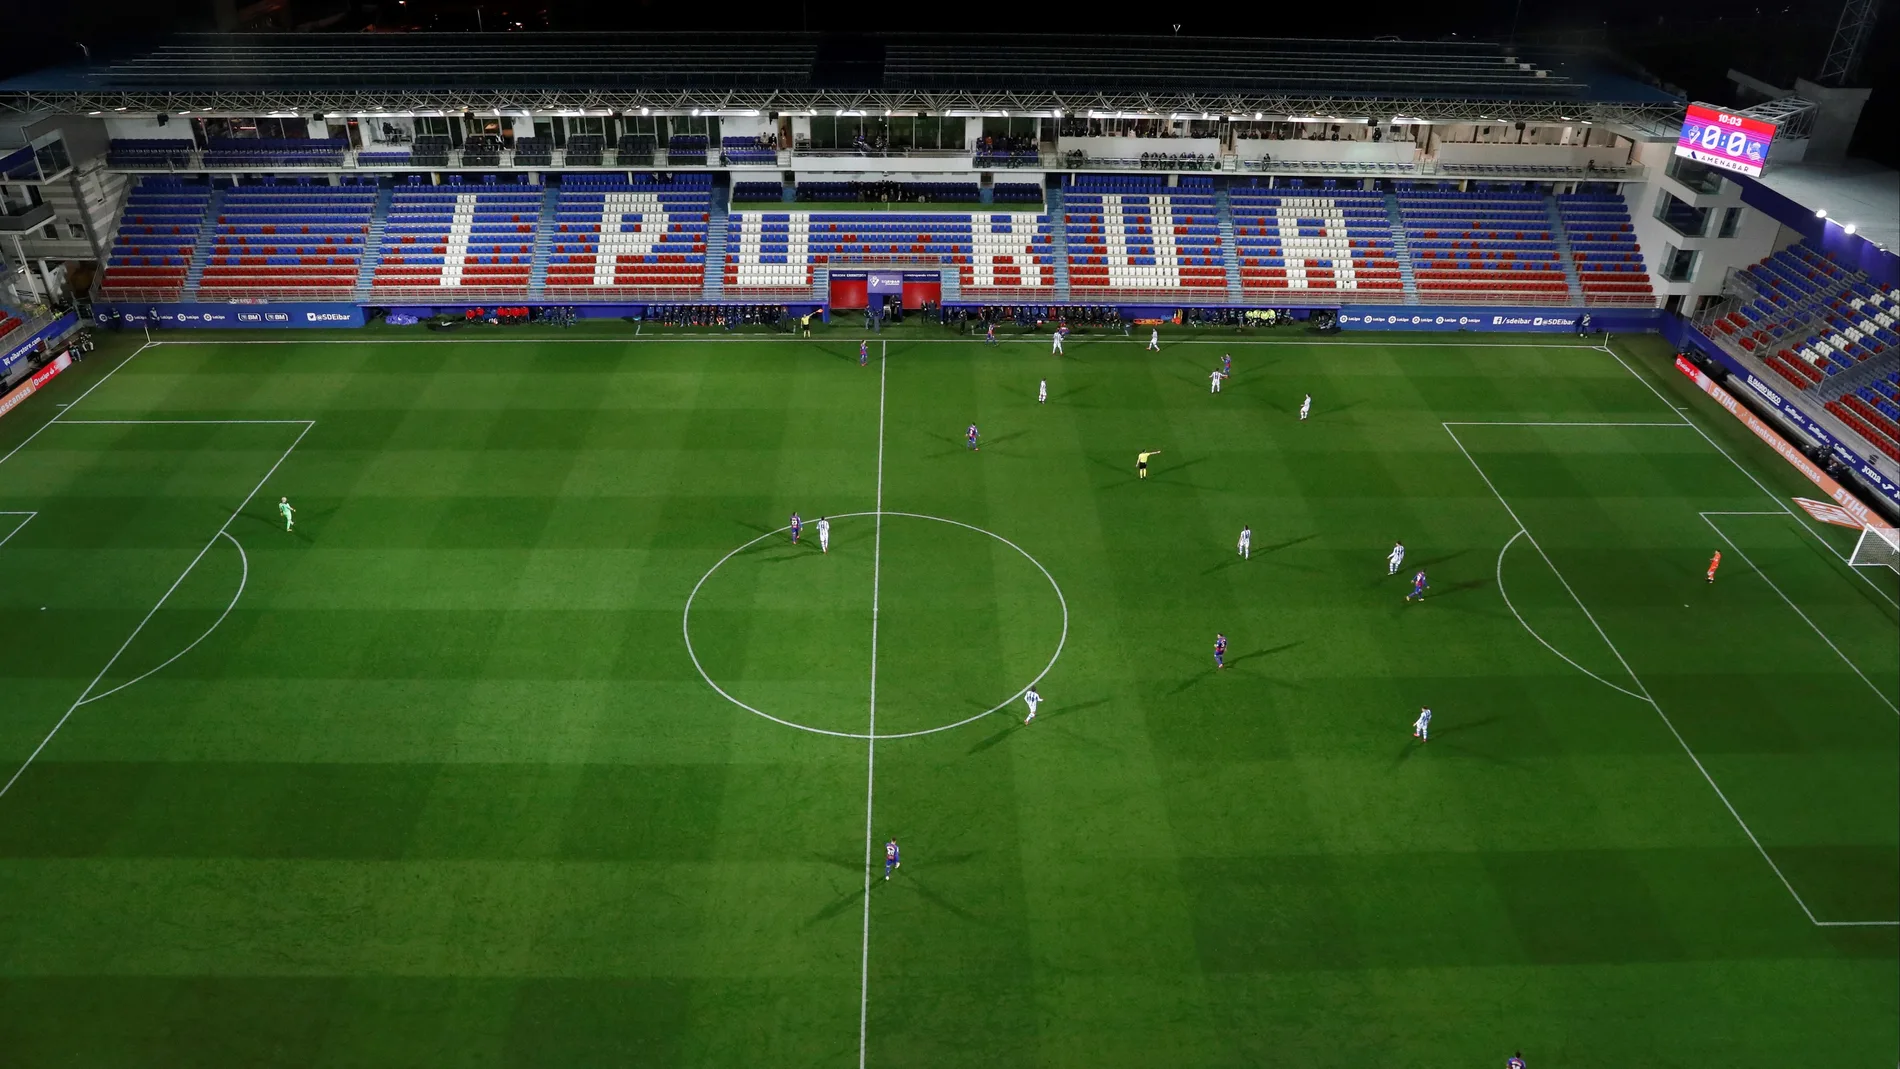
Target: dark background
column 1688, row 44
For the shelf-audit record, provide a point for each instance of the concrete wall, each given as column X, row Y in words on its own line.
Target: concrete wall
column 1754, row 240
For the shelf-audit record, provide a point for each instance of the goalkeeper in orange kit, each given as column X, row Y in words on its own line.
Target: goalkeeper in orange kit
column 1714, row 563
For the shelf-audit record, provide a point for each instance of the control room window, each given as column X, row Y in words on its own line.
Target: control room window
column 1678, row 265
column 1697, row 176
column 1688, row 221
column 1731, row 222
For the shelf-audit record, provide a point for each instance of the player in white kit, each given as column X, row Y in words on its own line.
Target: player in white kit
column 824, row 535
column 1395, row 558
column 1213, row 381
column 1422, row 727
column 1246, row 542
column 1042, row 393
column 1031, row 699
column 1154, row 341
column 1056, row 349
column 1306, row 407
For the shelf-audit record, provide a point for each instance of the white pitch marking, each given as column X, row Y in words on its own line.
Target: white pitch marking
column 870, row 743
column 1533, row 631
column 244, row 577
column 1797, row 611
column 1680, row 741
column 176, row 583
column 1772, row 496
column 76, row 400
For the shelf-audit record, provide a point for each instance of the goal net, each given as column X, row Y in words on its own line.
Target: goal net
column 1878, row 547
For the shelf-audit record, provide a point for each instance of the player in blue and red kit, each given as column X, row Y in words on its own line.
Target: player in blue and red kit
column 970, row 436
column 1418, row 587
column 864, row 353
column 1220, row 651
column 1515, row 1061
column 891, row 859
column 989, row 335
column 798, row 525
column 1227, row 365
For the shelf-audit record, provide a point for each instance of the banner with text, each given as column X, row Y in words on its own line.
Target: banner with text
column 242, row 315
column 20, row 350
column 1854, row 506
column 1489, row 319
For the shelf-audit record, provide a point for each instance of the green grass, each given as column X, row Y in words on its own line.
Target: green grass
column 444, row 787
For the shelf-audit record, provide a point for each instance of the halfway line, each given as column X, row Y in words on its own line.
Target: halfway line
column 870, row 744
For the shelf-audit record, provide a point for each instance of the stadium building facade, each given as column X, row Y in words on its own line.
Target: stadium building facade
column 319, row 180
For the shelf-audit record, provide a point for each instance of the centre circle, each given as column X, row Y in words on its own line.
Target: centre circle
column 966, row 620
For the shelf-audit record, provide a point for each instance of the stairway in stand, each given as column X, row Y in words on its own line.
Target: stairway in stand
column 715, row 285
column 1229, row 246
column 543, row 239
column 373, row 243
column 1562, row 238
column 1059, row 245
column 207, row 235
column 1400, row 249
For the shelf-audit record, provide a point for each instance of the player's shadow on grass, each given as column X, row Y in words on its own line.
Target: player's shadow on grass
column 276, row 523
column 1469, row 584
column 1436, row 561
column 1155, row 470
column 1236, row 662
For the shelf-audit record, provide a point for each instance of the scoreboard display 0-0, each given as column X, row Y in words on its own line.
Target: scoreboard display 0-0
column 1725, row 139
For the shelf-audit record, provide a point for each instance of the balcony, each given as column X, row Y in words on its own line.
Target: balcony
column 23, row 220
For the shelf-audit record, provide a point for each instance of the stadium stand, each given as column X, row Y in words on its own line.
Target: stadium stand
column 9, row 321
column 1603, row 248
column 1137, row 233
column 534, row 151
column 1491, row 245
column 1017, row 192
column 757, row 191
column 586, row 150
column 477, row 239
column 275, row 151
column 646, row 235
column 384, row 158
column 430, row 151
column 1012, row 257
column 633, row 149
column 158, row 236
column 481, row 150
column 1323, row 240
column 149, row 152
column 747, row 150
column 894, row 192
column 780, row 250
column 303, row 240
column 686, row 149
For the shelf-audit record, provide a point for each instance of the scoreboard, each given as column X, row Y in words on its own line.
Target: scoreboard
column 1724, row 139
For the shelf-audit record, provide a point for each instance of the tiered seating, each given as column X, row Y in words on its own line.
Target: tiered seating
column 455, row 236
column 534, row 151
column 1787, row 298
column 430, row 151
column 1010, row 251
column 481, row 150
column 9, row 319
column 1137, row 233
column 585, row 150
column 288, row 240
column 385, row 157
column 151, row 255
column 775, row 250
column 1491, row 245
column 150, row 152
column 1332, row 240
column 747, row 150
column 1603, row 247
column 1017, row 192
column 687, row 148
column 275, row 151
column 757, row 191
column 647, row 234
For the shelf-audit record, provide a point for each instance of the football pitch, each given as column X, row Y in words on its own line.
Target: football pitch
column 537, row 742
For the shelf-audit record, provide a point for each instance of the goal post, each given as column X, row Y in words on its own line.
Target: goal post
column 1878, row 547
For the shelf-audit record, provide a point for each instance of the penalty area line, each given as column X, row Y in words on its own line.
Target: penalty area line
column 222, row 532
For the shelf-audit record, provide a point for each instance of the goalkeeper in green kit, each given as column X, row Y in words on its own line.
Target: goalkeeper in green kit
column 290, row 514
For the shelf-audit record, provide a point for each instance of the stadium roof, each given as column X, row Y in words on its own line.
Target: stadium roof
column 1017, row 74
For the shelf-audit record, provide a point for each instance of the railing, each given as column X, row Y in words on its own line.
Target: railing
column 1008, row 294
column 27, row 329
column 641, row 293
column 768, row 294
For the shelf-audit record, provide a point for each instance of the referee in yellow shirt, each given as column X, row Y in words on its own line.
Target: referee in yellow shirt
column 1141, row 462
